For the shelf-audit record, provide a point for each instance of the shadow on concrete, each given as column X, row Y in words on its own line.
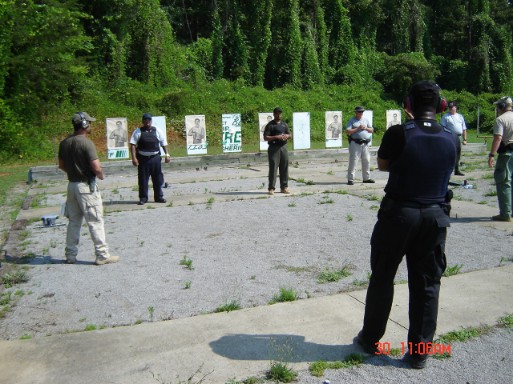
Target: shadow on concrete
column 121, row 202
column 292, row 349
column 235, row 193
column 279, row 347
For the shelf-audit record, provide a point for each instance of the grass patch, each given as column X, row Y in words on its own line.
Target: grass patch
column 326, row 200
column 360, row 283
column 452, row 270
column 187, row 263
column 6, row 303
column 90, row 327
column 506, row 321
column 285, row 294
column 349, row 217
column 249, row 380
column 463, row 334
column 505, row 259
column 491, row 193
column 38, row 201
column 328, row 276
column 354, row 359
column 281, row 372
column 372, row 197
column 10, row 279
column 231, row 306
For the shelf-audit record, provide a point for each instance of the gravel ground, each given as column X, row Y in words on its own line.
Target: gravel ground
column 241, row 251
column 243, row 247
column 486, row 360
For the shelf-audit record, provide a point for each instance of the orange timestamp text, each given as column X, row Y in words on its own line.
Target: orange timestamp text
column 421, row 348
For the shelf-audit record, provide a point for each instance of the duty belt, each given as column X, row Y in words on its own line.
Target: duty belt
column 410, row 204
column 359, row 141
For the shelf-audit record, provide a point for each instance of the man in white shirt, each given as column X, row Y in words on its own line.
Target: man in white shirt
column 359, row 134
column 456, row 123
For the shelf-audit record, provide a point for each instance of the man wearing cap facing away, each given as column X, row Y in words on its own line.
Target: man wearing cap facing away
column 78, row 158
column 503, row 145
column 145, row 146
column 276, row 133
column 412, row 220
column 455, row 122
column 360, row 133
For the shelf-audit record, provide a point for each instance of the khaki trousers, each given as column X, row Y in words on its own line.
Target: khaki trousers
column 82, row 204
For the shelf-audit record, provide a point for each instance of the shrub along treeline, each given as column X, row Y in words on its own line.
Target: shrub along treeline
column 125, row 57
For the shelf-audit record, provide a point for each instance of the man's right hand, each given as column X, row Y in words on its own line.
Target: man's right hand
column 135, row 162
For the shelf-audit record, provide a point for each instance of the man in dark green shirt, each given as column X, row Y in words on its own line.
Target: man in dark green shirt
column 276, row 133
column 78, row 158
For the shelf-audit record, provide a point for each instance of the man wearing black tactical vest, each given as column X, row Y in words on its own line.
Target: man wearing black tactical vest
column 412, row 220
column 145, row 146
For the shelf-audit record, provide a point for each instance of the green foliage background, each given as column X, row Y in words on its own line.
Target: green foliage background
column 126, row 57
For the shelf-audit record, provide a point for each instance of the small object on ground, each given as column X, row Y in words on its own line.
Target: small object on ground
column 49, row 220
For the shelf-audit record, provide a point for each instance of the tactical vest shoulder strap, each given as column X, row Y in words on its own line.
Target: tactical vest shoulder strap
column 409, row 125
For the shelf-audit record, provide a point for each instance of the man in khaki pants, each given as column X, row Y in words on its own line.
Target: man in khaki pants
column 78, row 158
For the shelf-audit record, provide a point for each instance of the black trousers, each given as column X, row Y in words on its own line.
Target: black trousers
column 150, row 166
column 458, row 156
column 278, row 159
column 418, row 233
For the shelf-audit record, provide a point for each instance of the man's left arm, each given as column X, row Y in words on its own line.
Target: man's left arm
column 391, row 147
column 166, row 154
column 383, row 165
column 288, row 134
column 495, row 146
column 96, row 167
column 464, row 130
column 368, row 128
column 61, row 165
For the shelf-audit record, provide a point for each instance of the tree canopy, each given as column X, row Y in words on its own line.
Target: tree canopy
column 51, row 51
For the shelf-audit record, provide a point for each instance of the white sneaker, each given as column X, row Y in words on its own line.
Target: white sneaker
column 110, row 260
